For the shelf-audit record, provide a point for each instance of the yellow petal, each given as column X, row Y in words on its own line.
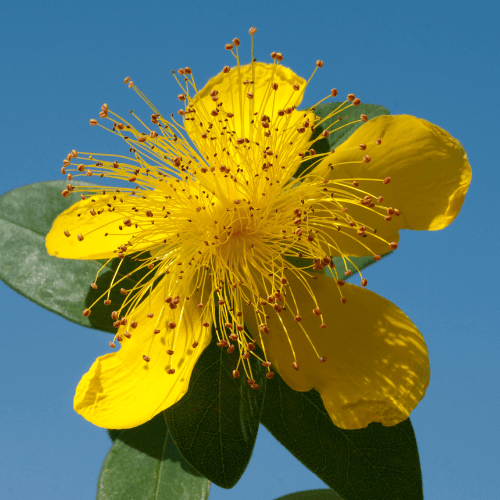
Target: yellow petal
column 78, row 219
column 121, row 390
column 377, row 367
column 429, row 174
column 232, row 94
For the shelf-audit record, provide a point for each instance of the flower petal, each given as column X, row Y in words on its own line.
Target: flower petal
column 78, row 219
column 429, row 174
column 122, row 390
column 377, row 367
column 265, row 101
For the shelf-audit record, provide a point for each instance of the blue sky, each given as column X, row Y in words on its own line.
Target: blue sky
column 434, row 60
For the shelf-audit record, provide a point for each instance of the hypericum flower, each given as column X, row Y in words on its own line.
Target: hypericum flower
column 211, row 210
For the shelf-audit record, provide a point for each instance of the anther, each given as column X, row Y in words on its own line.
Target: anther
column 317, row 311
column 267, row 364
column 252, row 31
column 378, row 141
column 226, row 69
column 251, row 346
column 93, row 122
column 86, row 312
column 340, row 282
column 206, row 324
column 146, row 358
column 133, row 324
column 343, row 300
column 107, row 302
column 127, row 79
column 181, row 97
column 367, row 159
column 274, row 86
column 377, row 257
column 364, row 282
column 170, row 352
column 298, row 318
column 236, row 373
column 334, row 92
column 171, row 371
column 322, row 326
column 295, row 365
column 66, row 233
column 171, row 325
column 195, row 344
column 322, row 359
column 356, row 102
column 112, row 345
column 325, row 133
column 80, row 237
column 394, row 245
column 236, row 42
column 187, row 70
column 255, row 386
column 230, row 349
column 156, row 331
column 127, row 334
column 270, row 375
column 296, row 86
column 319, row 63
column 229, row 46
column 123, row 291
column 94, row 286
column 234, row 336
column 363, row 118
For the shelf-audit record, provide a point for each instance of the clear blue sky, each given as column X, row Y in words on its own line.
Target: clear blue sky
column 433, row 59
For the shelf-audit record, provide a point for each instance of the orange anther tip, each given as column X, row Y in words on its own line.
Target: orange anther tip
column 171, row 371
column 146, row 358
column 229, row 46
column 295, row 365
column 195, row 344
column 334, row 92
column 236, row 373
column 270, row 375
column 377, row 257
column 252, row 31
column 86, row 312
column 322, row 359
column 319, row 63
column 394, row 245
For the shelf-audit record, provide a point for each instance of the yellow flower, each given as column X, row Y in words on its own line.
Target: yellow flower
column 210, row 209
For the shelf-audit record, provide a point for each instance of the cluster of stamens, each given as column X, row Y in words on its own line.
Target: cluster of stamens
column 212, row 213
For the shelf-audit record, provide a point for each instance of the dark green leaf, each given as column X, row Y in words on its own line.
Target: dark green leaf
column 215, row 424
column 60, row 285
column 339, row 135
column 144, row 464
column 376, row 462
column 312, row 495
column 360, row 262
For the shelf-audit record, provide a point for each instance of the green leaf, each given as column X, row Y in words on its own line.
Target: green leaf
column 215, row 424
column 312, row 495
column 339, row 135
column 376, row 462
column 144, row 464
column 59, row 285
column 360, row 262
